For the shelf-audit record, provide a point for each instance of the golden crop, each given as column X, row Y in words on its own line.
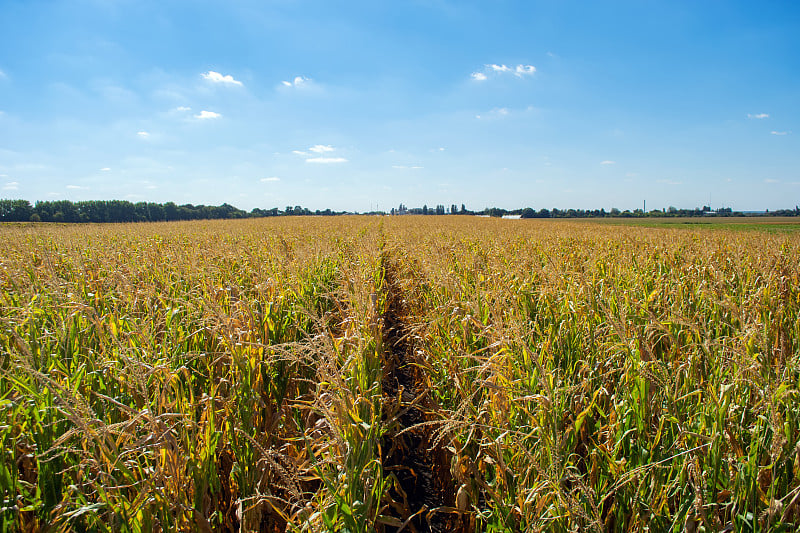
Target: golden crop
column 361, row 374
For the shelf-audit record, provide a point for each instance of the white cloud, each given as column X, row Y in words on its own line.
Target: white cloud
column 105, row 169
column 499, row 68
column 77, row 188
column 2, row 74
column 780, row 132
column 312, row 157
column 183, row 108
column 757, row 115
column 216, row 77
column 524, row 70
column 298, row 81
column 493, row 69
column 271, row 178
column 320, row 148
column 326, row 160
column 670, row 182
column 205, row 115
column 770, row 180
column 11, row 186
column 608, row 162
column 399, row 166
column 143, row 134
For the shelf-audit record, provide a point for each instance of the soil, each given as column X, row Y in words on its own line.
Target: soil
column 410, row 451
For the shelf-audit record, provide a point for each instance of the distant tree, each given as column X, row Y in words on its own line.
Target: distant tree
column 171, row 211
column 528, row 213
column 15, row 210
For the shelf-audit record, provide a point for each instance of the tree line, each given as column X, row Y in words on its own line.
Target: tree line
column 125, row 211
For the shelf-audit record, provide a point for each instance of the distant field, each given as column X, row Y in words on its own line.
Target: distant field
column 388, row 373
column 770, row 224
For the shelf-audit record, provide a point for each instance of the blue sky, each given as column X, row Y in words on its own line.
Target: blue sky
column 356, row 105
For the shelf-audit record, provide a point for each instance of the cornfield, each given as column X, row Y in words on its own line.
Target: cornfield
column 398, row 374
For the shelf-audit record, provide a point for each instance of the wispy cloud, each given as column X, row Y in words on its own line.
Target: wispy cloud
column 77, row 188
column 670, row 182
column 326, row 160
column 757, row 115
column 216, row 77
column 183, row 108
column 399, row 167
column 298, row 81
column 321, row 148
column 11, row 186
column 780, row 132
column 105, row 169
column 770, row 180
column 498, row 112
column 3, row 74
column 494, row 69
column 312, row 155
column 608, row 162
column 269, row 179
column 206, row 115
column 143, row 134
